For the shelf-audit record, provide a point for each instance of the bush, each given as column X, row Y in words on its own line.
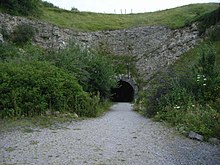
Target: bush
column 73, row 9
column 48, row 4
column 23, row 34
column 24, row 7
column 93, row 71
column 5, row 32
column 192, row 117
column 32, row 88
column 8, row 52
column 215, row 34
column 208, row 20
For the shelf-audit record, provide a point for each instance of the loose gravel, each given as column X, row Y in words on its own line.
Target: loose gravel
column 121, row 137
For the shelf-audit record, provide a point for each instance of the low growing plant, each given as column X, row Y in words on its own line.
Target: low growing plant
column 32, row 88
column 190, row 102
column 23, row 34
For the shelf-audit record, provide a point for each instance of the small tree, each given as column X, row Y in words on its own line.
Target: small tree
column 48, row 4
column 73, row 9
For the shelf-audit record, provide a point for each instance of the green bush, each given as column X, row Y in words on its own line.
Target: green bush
column 8, row 52
column 5, row 32
column 93, row 71
column 23, row 34
column 24, row 7
column 215, row 34
column 48, row 4
column 208, row 20
column 32, row 88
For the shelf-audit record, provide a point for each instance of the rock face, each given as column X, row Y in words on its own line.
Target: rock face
column 214, row 141
column 195, row 136
column 153, row 46
column 1, row 38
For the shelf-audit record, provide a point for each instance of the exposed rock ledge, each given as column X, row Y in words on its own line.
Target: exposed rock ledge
column 154, row 46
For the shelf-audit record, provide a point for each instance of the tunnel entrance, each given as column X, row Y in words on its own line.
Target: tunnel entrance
column 123, row 93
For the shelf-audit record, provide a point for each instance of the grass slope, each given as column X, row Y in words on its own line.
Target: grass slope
column 86, row 21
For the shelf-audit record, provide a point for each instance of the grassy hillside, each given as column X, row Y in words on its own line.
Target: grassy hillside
column 85, row 21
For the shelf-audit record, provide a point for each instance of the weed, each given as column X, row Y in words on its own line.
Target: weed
column 10, row 149
column 28, row 130
column 34, row 142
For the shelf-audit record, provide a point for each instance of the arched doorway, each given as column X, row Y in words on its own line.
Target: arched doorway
column 123, row 93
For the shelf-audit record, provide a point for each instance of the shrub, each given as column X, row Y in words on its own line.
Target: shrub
column 32, row 88
column 8, row 52
column 208, row 20
column 73, row 9
column 23, row 34
column 93, row 71
column 214, row 35
column 24, row 7
column 192, row 117
column 48, row 4
column 5, row 32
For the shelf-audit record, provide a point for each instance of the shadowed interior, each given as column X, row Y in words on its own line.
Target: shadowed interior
column 123, row 93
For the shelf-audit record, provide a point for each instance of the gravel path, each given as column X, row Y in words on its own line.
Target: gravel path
column 121, row 137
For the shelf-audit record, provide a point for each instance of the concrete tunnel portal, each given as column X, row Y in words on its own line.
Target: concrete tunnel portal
column 123, row 93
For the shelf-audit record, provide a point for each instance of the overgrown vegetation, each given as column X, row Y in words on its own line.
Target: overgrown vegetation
column 187, row 94
column 34, row 81
column 74, row 80
column 208, row 19
column 23, row 8
column 22, row 34
column 93, row 71
column 32, row 88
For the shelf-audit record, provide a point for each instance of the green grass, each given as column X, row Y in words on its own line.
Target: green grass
column 30, row 124
column 191, row 57
column 86, row 21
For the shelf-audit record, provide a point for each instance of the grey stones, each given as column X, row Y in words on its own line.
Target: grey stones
column 120, row 137
column 214, row 141
column 196, row 136
column 1, row 39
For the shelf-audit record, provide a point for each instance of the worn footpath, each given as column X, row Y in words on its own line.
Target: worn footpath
column 121, row 137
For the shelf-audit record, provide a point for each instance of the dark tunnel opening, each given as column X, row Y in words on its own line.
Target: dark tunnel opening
column 123, row 93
